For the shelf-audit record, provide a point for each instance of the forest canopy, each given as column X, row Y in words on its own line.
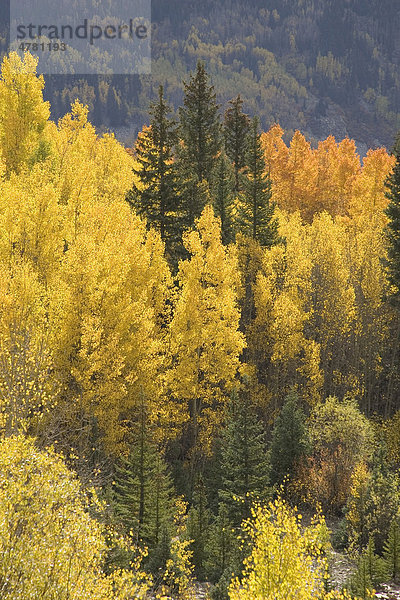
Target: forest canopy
column 196, row 334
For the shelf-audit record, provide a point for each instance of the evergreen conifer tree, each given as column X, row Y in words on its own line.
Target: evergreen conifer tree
column 194, row 196
column 371, row 571
column 200, row 136
column 383, row 497
column 236, row 129
column 244, row 461
column 155, row 195
column 257, row 215
column 393, row 227
column 289, row 440
column 222, row 194
column 143, row 490
column 220, row 545
column 392, row 550
column 198, row 527
column 200, row 124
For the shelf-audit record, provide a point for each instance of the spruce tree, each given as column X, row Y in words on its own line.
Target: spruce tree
column 236, row 130
column 200, row 124
column 222, row 195
column 371, row 572
column 200, row 136
column 194, row 196
column 257, row 215
column 289, row 440
column 393, row 227
column 383, row 498
column 391, row 550
column 155, row 189
column 198, row 527
column 220, row 544
column 142, row 490
column 244, row 460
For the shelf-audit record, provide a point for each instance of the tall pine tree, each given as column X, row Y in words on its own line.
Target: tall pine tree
column 289, row 440
column 393, row 227
column 257, row 215
column 244, row 462
column 143, row 489
column 222, row 195
column 200, row 142
column 392, row 550
column 200, row 123
column 198, row 526
column 155, row 188
column 236, row 129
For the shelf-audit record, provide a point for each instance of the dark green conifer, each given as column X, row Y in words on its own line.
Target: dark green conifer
column 200, row 141
column 198, row 527
column 222, row 183
column 289, row 440
column 200, row 124
column 244, row 460
column 391, row 550
column 236, row 130
column 142, row 490
column 155, row 196
column 383, row 498
column 393, row 227
column 371, row 571
column 257, row 214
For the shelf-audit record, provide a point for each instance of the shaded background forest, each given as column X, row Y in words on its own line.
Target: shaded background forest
column 321, row 66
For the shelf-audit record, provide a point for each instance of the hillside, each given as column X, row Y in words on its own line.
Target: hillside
column 321, row 66
column 325, row 67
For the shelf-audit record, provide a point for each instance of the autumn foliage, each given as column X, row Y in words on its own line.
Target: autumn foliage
column 327, row 178
column 106, row 338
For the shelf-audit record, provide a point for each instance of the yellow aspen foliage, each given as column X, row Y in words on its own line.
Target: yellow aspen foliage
column 23, row 113
column 205, row 342
column 276, row 156
column 287, row 561
column 368, row 194
column 338, row 166
column 357, row 509
column 50, row 545
column 112, row 169
column 328, row 178
column 89, row 168
column 347, row 169
column 313, row 309
column 253, row 323
column 275, row 150
column 333, row 304
column 295, row 353
column 328, row 194
column 301, row 173
column 105, row 282
column 27, row 384
column 32, row 221
column 277, row 340
column 366, row 251
column 117, row 282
